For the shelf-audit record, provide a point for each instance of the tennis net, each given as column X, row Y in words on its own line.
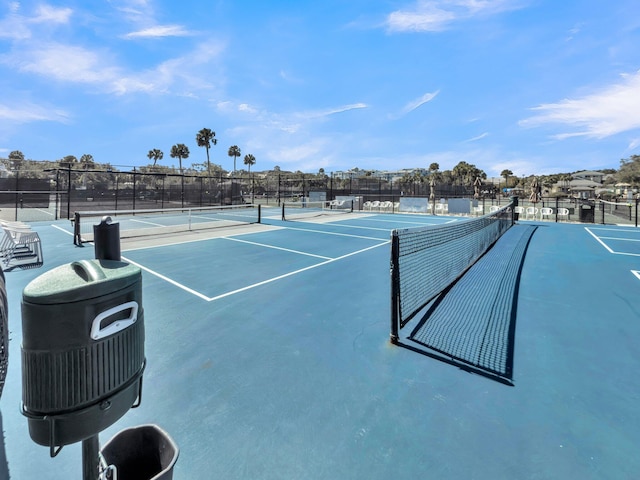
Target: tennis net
column 300, row 210
column 623, row 211
column 137, row 223
column 425, row 261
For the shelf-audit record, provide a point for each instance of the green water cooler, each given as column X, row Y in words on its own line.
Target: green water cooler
column 82, row 350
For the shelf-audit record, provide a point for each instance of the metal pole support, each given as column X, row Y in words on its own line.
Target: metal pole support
column 90, row 458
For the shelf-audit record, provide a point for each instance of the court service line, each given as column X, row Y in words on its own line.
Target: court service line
column 62, row 229
column 599, row 241
column 335, row 233
column 275, row 248
column 409, row 222
column 280, row 277
column 622, row 239
column 347, row 225
column 609, row 249
column 249, row 287
column 167, row 279
column 147, row 223
column 636, row 273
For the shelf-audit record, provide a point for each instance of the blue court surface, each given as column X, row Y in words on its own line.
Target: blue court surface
column 268, row 357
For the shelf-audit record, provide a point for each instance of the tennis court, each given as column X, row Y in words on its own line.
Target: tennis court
column 268, row 356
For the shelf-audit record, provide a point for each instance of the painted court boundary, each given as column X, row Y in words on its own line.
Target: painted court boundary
column 249, row 287
column 607, row 247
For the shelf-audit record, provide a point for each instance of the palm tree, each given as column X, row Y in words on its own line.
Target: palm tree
column 234, row 151
column 249, row 160
column 206, row 138
column 506, row 174
column 155, row 154
column 180, row 151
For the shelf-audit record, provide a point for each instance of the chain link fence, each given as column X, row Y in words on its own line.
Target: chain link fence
column 30, row 195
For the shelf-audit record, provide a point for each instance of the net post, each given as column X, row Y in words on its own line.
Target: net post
column 259, row 213
column 283, row 219
column 395, row 281
column 514, row 215
column 77, row 237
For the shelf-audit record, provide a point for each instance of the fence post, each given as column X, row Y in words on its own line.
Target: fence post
column 57, row 194
column 395, row 281
column 69, row 194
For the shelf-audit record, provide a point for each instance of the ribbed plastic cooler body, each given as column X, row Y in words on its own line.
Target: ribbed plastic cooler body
column 83, row 349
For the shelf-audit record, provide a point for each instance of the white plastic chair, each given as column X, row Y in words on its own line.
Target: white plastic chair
column 531, row 212
column 494, row 208
column 366, row 205
column 519, row 210
column 20, row 247
column 563, row 213
column 546, row 212
column 479, row 210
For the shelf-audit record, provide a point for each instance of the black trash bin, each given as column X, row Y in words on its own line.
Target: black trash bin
column 82, row 349
column 145, row 452
column 106, row 239
column 587, row 213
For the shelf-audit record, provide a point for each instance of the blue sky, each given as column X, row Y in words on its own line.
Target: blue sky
column 534, row 86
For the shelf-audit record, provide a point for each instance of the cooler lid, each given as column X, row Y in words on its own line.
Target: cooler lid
column 81, row 280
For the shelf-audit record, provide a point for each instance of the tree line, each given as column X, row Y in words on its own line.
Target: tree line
column 463, row 173
column 205, row 138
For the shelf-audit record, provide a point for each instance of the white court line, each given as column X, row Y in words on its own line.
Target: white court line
column 146, row 223
column 621, row 239
column 335, row 233
column 44, row 211
column 346, row 225
column 609, row 249
column 636, row 273
column 599, row 241
column 275, row 248
column 395, row 222
column 167, row 279
column 62, row 229
column 264, row 282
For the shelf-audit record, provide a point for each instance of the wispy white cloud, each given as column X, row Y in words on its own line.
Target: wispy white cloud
column 438, row 15
column 635, row 143
column 50, row 14
column 26, row 112
column 612, row 110
column 137, row 11
column 18, row 26
column 160, row 31
column 418, row 102
column 60, row 62
column 475, row 139
column 79, row 65
column 330, row 111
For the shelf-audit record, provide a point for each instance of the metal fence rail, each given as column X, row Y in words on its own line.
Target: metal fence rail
column 58, row 193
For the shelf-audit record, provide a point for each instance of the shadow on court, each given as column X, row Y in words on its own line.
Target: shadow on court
column 472, row 323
